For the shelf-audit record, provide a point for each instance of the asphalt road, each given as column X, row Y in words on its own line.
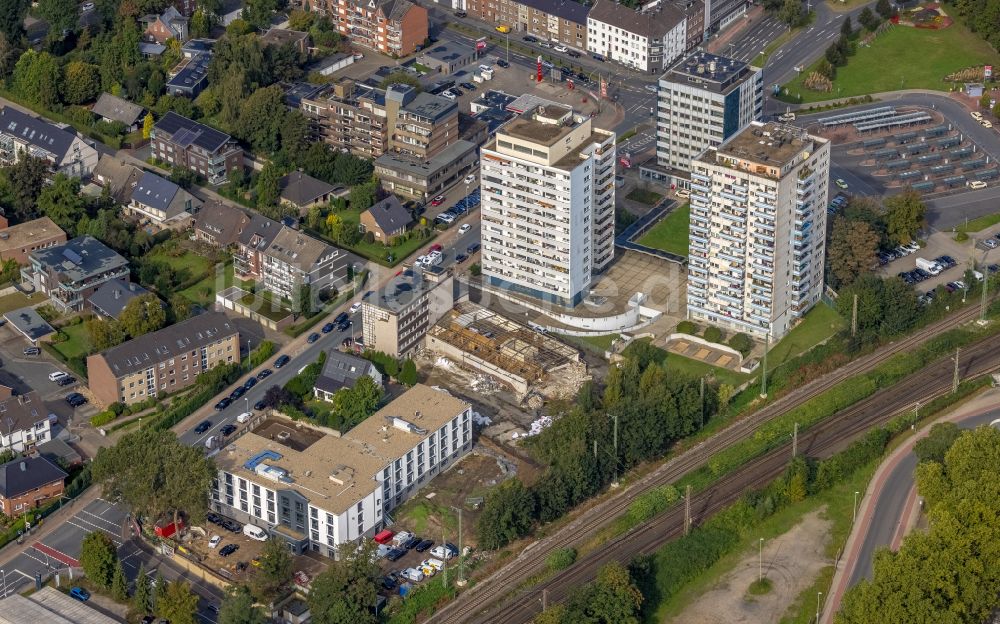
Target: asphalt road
column 891, row 505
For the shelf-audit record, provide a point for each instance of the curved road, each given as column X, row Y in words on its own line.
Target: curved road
column 893, row 496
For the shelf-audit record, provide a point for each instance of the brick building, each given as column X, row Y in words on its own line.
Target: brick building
column 184, row 143
column 29, row 483
column 17, row 241
column 560, row 21
column 393, row 27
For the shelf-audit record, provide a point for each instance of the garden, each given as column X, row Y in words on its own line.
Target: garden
column 671, row 233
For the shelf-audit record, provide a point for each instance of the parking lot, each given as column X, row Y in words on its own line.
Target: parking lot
column 234, row 565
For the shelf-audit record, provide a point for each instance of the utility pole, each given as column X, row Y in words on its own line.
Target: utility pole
column 854, row 317
column 795, row 440
column 687, row 510
column 763, row 377
column 545, row 599
column 760, row 561
column 595, row 448
column 616, row 448
column 954, row 382
column 461, row 558
column 703, row 402
column 982, row 299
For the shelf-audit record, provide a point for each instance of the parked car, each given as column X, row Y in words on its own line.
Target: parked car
column 29, row 351
column 228, row 549
column 237, row 392
column 424, row 545
column 388, row 583
column 313, row 337
column 395, row 554
column 227, row 429
column 354, row 308
column 56, row 376
column 470, row 179
column 80, row 594
column 67, row 380
column 223, row 404
column 444, row 551
column 461, row 14
column 977, row 184
column 561, row 49
column 468, row 86
column 598, row 57
column 329, row 327
column 545, row 44
column 212, row 543
column 573, row 54
column 473, row 248
column 249, row 383
column 840, row 183
column 529, row 39
column 411, row 543
column 75, row 399
column 281, row 361
column 264, row 374
column 203, row 426
column 437, row 201
column 503, row 63
column 460, row 258
column 259, row 405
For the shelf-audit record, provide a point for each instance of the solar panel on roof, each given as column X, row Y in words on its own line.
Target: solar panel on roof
column 184, row 137
column 72, row 256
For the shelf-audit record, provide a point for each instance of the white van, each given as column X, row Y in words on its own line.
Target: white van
column 244, row 417
column 210, row 442
column 413, row 574
column 255, row 532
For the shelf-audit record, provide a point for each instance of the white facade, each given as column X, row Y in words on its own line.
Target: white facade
column 638, row 49
column 548, row 201
column 701, row 102
column 757, row 230
column 24, row 438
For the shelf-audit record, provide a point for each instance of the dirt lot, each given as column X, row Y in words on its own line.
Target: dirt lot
column 792, row 561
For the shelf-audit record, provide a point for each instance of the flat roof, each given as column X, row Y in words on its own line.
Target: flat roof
column 769, row 143
column 424, row 407
column 708, row 71
column 426, row 168
column 403, row 289
column 28, row 233
column 29, row 323
column 51, row 606
column 538, row 132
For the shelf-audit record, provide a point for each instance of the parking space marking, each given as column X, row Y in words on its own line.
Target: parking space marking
column 55, row 554
column 114, row 538
column 98, row 518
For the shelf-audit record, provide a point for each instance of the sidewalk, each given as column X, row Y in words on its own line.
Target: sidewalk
column 866, row 510
column 720, row 42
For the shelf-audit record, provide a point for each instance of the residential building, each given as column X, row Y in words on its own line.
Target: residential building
column 17, row 241
column 392, row 27
column 548, row 204
column 161, row 203
column 71, row 272
column 395, row 319
column 293, row 260
column 111, row 297
column 188, row 144
column 30, row 324
column 758, row 228
column 220, row 224
column 111, row 108
column 647, row 40
column 190, row 76
column 421, row 179
column 29, row 483
column 386, row 219
column 558, row 21
column 24, row 420
column 168, row 25
column 446, row 57
column 320, row 491
column 65, row 150
column 118, row 176
column 59, row 452
column 282, row 36
column 702, row 101
column 163, row 361
column 343, row 370
column 420, row 125
column 254, row 238
column 304, row 191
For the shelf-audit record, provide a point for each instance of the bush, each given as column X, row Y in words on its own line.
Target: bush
column 742, row 343
column 102, row 418
column 687, row 327
column 713, row 334
column 561, row 559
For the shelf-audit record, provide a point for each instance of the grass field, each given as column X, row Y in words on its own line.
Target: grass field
column 979, row 224
column 694, row 368
column 819, row 324
column 890, row 63
column 78, row 344
column 17, row 300
column 670, row 234
column 377, row 251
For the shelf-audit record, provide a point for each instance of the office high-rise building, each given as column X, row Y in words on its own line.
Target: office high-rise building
column 548, row 204
column 702, row 101
column 758, row 225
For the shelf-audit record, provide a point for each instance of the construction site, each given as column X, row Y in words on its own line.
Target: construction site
column 523, row 360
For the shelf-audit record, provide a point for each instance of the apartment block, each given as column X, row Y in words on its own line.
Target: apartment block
column 71, row 272
column 392, row 27
column 559, row 21
column 396, row 318
column 17, row 241
column 648, row 39
column 25, row 420
column 317, row 491
column 702, row 101
column 184, row 143
column 65, row 150
column 163, row 361
column 293, row 260
column 548, row 204
column 757, row 230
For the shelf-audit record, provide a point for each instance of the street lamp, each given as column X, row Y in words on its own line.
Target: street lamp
column 855, row 518
column 819, row 596
column 760, row 562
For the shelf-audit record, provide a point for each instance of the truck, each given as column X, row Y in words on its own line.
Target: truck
column 930, row 266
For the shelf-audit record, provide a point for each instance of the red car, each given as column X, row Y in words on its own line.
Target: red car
column 383, row 537
column 434, row 247
column 437, row 201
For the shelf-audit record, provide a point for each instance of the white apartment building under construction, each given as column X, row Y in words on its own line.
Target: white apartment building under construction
column 757, row 230
column 548, row 204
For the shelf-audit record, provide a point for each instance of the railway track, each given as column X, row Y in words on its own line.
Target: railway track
column 470, row 605
column 822, row 440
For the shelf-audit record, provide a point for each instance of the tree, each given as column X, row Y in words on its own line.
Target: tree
column 261, row 117
column 81, row 82
column 36, row 78
column 363, row 195
column 257, row 13
column 401, row 77
column 868, row 19
column 996, row 108
column 883, row 8
column 61, row 201
column 825, row 68
column 143, row 314
column 507, row 515
column 98, row 558
column 833, row 55
column 159, row 591
column 358, row 402
column 201, row 24
column 791, row 12
column 238, row 607
column 408, row 374
column 905, row 216
column 119, row 584
column 27, row 177
column 178, row 603
column 301, row 20
column 295, row 133
column 142, row 597
column 155, row 474
column 304, row 302
column 274, row 572
column 61, row 16
column 181, row 306
column 846, row 27
column 886, row 307
column 615, row 597
column 12, row 14
column 268, row 185
column 852, row 250
column 147, row 126
column 938, row 441
column 345, row 592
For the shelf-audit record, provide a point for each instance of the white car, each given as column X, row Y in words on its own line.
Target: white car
column 212, row 543
column 465, row 228
column 56, row 376
column 355, row 307
column 469, row 179
column 977, row 115
column 433, row 256
column 651, row 88
column 244, row 417
column 420, row 260
column 986, row 123
column 561, row 48
column 977, row 184
column 449, row 95
column 485, row 68
column 442, row 552
column 683, row 194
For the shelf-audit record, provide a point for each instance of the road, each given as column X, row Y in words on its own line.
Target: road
column 822, row 440
column 531, row 561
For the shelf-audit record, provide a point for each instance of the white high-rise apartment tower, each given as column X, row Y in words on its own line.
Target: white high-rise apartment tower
column 758, row 226
column 548, row 204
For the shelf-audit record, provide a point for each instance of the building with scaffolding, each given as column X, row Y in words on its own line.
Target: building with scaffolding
column 517, row 355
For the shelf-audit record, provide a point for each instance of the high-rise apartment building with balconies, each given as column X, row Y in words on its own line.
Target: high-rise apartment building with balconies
column 548, row 204
column 393, row 27
column 757, row 230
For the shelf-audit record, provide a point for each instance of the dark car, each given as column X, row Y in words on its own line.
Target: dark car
column 237, row 392
column 468, row 86
column 347, row 343
column 227, row 429
column 598, row 57
column 231, row 525
column 457, row 14
column 203, row 426
column 264, row 374
column 313, row 337
column 228, row 549
column 328, row 328
column 573, row 54
column 259, row 405
column 411, row 543
column 213, row 517
column 340, row 318
column 460, row 258
column 395, row 553
column 282, row 361
column 67, row 380
column 529, row 39
column 388, row 583
column 344, row 326
column 471, row 249
column 424, row 545
column 250, row 383
column 503, row 63
column 76, row 399
column 223, row 404
column 80, row 594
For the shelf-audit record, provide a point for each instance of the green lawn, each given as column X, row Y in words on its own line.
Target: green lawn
column 819, row 324
column 265, row 305
column 670, row 234
column 902, row 58
column 694, row 368
column 203, row 292
column 17, row 300
column 78, row 344
column 979, row 224
column 376, row 251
